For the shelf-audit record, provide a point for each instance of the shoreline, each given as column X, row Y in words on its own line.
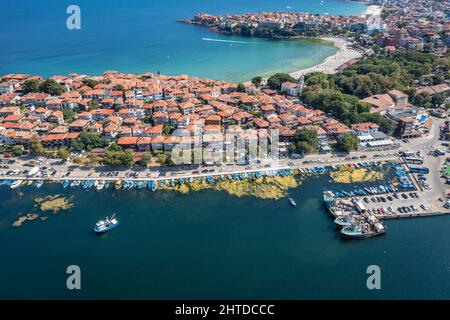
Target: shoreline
column 331, row 64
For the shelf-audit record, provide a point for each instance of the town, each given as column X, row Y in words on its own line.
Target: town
column 418, row 25
column 389, row 105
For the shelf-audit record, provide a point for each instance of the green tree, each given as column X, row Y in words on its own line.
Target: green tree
column 93, row 105
column 167, row 129
column 30, row 86
column 347, row 143
column 17, row 150
column 68, row 114
column 275, row 81
column 90, row 83
column 51, row 87
column 62, row 153
column 119, row 87
column 88, row 141
column 118, row 158
column 257, row 81
column 36, row 147
column 305, row 141
column 240, row 88
column 146, row 158
column 437, row 100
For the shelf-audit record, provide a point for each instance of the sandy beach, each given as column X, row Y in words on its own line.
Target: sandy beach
column 332, row 64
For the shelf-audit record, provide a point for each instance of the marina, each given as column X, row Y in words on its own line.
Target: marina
column 357, row 212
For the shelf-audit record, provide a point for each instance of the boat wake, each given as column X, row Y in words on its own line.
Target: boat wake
column 226, row 41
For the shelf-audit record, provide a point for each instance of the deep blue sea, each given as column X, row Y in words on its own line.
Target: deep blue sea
column 210, row 245
column 144, row 35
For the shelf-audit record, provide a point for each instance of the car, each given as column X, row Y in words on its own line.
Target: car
column 7, row 155
column 404, row 196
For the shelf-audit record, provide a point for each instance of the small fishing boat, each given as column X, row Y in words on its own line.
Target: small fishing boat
column 293, row 203
column 106, row 225
column 39, row 184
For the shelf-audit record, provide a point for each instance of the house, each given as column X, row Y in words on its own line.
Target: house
column 56, row 117
column 382, row 103
column 336, row 130
column 289, row 120
column 361, row 129
column 291, row 88
column 128, row 142
column 78, row 125
column 9, row 111
column 35, row 99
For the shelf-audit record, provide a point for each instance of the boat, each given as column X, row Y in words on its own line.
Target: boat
column 353, row 231
column 65, row 184
column 329, row 199
column 154, row 186
column 293, row 203
column 343, row 221
column 106, row 225
column 33, row 171
column 16, row 184
column 100, row 185
column 39, row 183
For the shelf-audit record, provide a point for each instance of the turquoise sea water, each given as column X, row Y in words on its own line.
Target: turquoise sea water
column 144, row 35
column 211, row 245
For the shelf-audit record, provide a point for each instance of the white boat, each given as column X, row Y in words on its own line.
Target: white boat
column 108, row 224
column 100, row 185
column 16, row 184
column 33, row 171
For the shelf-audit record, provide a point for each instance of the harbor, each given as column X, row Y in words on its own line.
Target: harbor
column 358, row 211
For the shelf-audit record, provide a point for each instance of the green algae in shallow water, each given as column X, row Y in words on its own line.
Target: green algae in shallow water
column 54, row 203
column 263, row 188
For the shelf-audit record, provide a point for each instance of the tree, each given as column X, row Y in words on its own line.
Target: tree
column 36, row 147
column 93, row 105
column 305, row 141
column 30, row 86
column 90, row 83
column 422, row 99
column 88, row 141
column 167, row 129
column 118, row 158
column 68, row 114
column 347, row 143
column 240, row 88
column 437, row 99
column 63, row 153
column 17, row 150
column 119, row 87
column 51, row 87
column 146, row 158
column 257, row 81
column 275, row 81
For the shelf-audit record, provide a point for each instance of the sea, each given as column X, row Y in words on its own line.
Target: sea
column 145, row 36
column 211, row 245
column 200, row 245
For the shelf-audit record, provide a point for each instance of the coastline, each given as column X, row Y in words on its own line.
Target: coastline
column 331, row 64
